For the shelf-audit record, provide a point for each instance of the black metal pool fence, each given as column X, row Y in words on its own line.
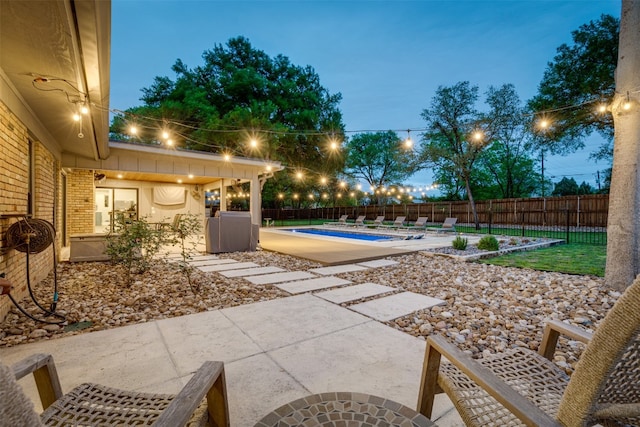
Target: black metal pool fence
column 576, row 219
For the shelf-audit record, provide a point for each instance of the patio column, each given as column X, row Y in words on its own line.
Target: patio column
column 255, row 201
column 223, row 195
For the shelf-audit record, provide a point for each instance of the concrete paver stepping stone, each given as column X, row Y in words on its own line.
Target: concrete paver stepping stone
column 301, row 286
column 251, row 271
column 394, row 306
column 266, row 279
column 228, row 266
column 378, row 263
column 337, row 269
column 352, row 293
column 217, row 261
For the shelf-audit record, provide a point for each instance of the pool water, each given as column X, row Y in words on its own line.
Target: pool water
column 343, row 234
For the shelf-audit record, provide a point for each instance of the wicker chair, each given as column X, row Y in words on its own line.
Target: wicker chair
column 522, row 387
column 202, row 401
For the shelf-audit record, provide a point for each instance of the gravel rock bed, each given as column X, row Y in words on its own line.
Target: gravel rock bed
column 487, row 308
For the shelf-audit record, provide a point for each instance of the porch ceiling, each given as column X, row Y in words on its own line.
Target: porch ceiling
column 54, row 53
column 154, row 177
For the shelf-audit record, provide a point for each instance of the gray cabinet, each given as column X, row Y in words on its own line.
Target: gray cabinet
column 231, row 232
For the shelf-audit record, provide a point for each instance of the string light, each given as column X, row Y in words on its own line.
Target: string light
column 543, row 123
column 408, row 143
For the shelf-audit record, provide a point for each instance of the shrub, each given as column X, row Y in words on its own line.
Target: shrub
column 133, row 245
column 488, row 243
column 459, row 243
column 188, row 226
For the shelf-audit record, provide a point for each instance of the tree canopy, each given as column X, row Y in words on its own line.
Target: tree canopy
column 580, row 77
column 241, row 94
column 378, row 158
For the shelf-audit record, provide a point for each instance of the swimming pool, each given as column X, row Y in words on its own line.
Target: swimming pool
column 343, row 234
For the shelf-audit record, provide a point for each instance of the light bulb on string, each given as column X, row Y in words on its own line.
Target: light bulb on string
column 77, row 117
column 408, row 143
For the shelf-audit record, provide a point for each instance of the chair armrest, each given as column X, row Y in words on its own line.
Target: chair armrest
column 513, row 401
column 44, row 372
column 553, row 330
column 208, row 381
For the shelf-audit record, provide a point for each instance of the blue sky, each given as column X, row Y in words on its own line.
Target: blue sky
column 387, row 58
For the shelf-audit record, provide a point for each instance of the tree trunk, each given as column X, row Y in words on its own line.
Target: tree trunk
column 472, row 203
column 623, row 228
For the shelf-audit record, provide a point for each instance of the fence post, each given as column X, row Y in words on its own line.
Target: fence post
column 490, row 219
column 567, row 230
column 522, row 221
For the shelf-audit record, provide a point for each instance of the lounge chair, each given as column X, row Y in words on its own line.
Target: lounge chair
column 398, row 223
column 203, row 401
column 421, row 223
column 342, row 221
column 377, row 222
column 522, row 387
column 449, row 224
column 360, row 221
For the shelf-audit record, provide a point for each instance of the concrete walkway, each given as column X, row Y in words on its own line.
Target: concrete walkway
column 274, row 352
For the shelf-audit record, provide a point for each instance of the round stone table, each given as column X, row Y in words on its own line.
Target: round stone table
column 344, row 409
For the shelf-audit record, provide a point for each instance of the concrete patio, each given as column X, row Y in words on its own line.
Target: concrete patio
column 274, row 352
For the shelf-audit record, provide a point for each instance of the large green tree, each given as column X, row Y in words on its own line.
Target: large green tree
column 579, row 81
column 379, row 159
column 242, row 101
column 507, row 162
column 455, row 135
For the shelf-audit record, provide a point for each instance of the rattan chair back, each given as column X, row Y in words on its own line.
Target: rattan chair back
column 605, row 387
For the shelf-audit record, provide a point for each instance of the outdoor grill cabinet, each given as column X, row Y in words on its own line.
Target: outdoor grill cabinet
column 231, row 231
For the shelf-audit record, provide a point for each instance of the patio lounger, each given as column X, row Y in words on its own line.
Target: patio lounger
column 448, row 225
column 360, row 221
column 421, row 223
column 398, row 223
column 342, row 221
column 377, row 222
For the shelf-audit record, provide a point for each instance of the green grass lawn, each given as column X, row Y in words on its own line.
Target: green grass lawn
column 571, row 258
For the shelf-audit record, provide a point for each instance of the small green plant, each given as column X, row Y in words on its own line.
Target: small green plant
column 460, row 243
column 488, row 243
column 187, row 228
column 513, row 241
column 133, row 244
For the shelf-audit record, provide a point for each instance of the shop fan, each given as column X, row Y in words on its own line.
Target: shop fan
column 32, row 236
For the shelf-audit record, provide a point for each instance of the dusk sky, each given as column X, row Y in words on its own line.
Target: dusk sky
column 387, row 58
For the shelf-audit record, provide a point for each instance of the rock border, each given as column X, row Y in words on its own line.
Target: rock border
column 491, row 254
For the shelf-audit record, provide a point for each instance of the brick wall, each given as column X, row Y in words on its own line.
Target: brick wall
column 14, row 187
column 80, row 202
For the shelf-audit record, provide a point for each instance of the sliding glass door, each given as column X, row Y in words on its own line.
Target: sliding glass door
column 113, row 203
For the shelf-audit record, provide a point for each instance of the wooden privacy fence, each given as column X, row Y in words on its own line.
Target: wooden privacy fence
column 573, row 211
